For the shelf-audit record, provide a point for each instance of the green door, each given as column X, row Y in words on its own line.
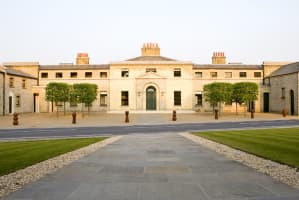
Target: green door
column 151, row 98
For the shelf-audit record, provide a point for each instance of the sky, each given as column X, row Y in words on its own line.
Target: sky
column 54, row 31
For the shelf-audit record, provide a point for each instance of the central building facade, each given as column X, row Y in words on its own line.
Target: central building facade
column 151, row 82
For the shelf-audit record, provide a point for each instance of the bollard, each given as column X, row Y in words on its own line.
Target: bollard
column 127, row 117
column 174, row 115
column 74, row 115
column 15, row 119
column 216, row 114
column 284, row 112
column 252, row 114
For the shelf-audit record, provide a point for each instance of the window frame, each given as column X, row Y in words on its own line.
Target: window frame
column 103, row 76
column 24, row 83
column 196, row 74
column 103, row 95
column 214, row 74
column 74, row 74
column 283, row 92
column 226, row 73
column 177, row 98
column 44, row 74
column 124, row 98
column 199, row 101
column 242, row 76
column 177, row 72
column 57, row 75
column 18, row 101
column 11, row 82
column 260, row 74
column 125, row 73
column 88, row 74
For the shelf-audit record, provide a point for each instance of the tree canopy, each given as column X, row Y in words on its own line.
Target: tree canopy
column 244, row 92
column 217, row 92
column 84, row 93
column 57, row 92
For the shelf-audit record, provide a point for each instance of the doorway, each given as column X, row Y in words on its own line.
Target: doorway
column 292, row 102
column 35, row 102
column 151, row 98
column 266, row 102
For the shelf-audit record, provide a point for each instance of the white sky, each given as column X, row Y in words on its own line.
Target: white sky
column 53, row 31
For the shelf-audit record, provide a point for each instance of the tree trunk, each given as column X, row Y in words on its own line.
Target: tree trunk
column 57, row 111
column 52, row 105
column 64, row 111
column 82, row 109
column 236, row 108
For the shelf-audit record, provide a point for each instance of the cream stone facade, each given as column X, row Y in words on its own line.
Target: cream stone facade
column 16, row 91
column 150, row 82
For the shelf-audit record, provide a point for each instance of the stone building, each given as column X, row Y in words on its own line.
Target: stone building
column 152, row 82
column 16, row 90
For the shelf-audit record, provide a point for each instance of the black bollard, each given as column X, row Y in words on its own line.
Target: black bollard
column 74, row 115
column 252, row 114
column 174, row 115
column 216, row 114
column 284, row 112
column 127, row 117
column 15, row 119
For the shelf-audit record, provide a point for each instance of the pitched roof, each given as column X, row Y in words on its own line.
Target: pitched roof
column 151, row 58
column 72, row 67
column 19, row 73
column 227, row 66
column 286, row 69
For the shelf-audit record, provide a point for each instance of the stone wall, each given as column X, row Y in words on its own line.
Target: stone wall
column 26, row 98
column 277, row 100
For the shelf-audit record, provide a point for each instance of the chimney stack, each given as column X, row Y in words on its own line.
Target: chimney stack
column 150, row 49
column 82, row 59
column 218, row 58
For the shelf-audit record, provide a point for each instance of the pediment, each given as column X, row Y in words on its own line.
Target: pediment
column 151, row 75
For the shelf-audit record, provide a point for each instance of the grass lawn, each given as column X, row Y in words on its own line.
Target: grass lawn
column 18, row 155
column 280, row 145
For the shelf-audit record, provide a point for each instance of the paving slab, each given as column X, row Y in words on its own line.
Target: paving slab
column 152, row 167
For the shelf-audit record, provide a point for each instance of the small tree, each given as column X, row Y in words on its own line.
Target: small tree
column 217, row 93
column 57, row 92
column 86, row 93
column 244, row 92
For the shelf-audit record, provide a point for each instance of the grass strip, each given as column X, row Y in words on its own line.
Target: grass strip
column 280, row 145
column 21, row 154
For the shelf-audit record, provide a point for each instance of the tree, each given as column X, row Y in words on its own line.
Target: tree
column 244, row 92
column 217, row 93
column 57, row 92
column 86, row 93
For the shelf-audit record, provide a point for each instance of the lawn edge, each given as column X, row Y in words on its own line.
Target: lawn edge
column 16, row 180
column 278, row 171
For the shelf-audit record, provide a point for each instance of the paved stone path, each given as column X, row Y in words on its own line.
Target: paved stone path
column 156, row 167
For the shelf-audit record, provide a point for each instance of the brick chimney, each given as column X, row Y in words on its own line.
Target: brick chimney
column 218, row 58
column 150, row 49
column 82, row 59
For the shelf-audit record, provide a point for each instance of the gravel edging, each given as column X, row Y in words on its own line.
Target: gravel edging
column 280, row 172
column 16, row 180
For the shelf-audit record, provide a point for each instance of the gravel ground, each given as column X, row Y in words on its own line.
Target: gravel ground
column 282, row 173
column 16, row 180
